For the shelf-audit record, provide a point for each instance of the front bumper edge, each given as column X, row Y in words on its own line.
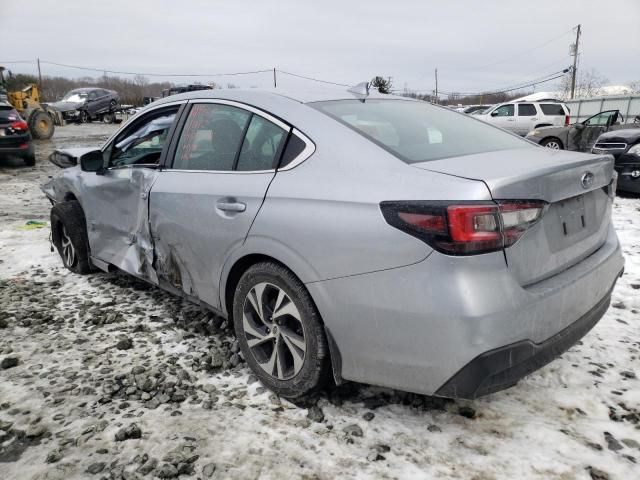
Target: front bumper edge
column 503, row 367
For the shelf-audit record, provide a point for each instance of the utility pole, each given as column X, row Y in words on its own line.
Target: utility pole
column 574, row 52
column 436, row 86
column 39, row 76
column 274, row 78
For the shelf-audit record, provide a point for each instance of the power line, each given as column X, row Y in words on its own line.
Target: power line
column 535, row 81
column 518, row 54
column 314, row 79
column 148, row 74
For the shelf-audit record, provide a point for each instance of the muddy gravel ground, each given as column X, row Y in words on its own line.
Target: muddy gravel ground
column 104, row 377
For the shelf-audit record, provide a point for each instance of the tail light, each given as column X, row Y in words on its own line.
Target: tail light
column 567, row 120
column 458, row 228
column 19, row 125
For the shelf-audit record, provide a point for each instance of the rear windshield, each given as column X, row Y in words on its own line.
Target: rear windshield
column 418, row 131
column 8, row 114
column 552, row 109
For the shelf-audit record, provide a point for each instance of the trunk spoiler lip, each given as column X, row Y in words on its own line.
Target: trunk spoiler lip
column 502, row 179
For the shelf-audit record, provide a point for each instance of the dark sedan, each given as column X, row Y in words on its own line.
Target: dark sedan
column 580, row 136
column 624, row 145
column 15, row 138
column 86, row 104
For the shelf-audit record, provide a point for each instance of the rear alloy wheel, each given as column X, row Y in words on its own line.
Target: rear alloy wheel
column 552, row 143
column 279, row 330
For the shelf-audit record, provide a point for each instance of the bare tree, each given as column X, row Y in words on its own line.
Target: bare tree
column 589, row 83
column 634, row 86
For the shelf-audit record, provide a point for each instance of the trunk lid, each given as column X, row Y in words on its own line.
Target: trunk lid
column 576, row 221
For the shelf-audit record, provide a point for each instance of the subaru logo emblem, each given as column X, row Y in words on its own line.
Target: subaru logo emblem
column 587, row 179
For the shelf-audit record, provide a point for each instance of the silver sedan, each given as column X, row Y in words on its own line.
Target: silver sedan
column 350, row 236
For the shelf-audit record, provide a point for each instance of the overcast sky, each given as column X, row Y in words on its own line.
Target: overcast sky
column 476, row 45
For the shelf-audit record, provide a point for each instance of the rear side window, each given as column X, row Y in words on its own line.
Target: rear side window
column 417, row 131
column 211, row 137
column 552, row 109
column 526, row 110
column 262, row 145
column 295, row 146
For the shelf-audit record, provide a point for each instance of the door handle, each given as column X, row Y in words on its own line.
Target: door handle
column 231, row 206
column 511, row 119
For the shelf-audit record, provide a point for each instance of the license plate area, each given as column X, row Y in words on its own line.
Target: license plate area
column 572, row 215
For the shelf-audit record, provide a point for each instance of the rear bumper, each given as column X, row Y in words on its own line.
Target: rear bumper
column 14, row 146
column 418, row 327
column 503, row 367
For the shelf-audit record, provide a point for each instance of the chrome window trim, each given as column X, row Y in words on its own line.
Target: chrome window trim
column 244, row 106
column 309, row 150
column 218, row 171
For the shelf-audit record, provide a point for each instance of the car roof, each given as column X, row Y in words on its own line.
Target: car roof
column 298, row 95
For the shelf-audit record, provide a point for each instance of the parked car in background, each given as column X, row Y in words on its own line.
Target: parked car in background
column 15, row 137
column 473, row 109
column 86, row 104
column 522, row 117
column 624, row 145
column 481, row 110
column 485, row 257
column 580, row 136
column 175, row 90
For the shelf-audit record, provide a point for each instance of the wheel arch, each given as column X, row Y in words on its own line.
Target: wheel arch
column 553, row 137
column 231, row 278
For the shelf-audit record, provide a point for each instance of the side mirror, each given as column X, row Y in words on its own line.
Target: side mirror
column 92, row 161
column 579, row 126
column 494, row 114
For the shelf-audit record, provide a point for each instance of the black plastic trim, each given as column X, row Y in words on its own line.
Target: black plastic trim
column 503, row 367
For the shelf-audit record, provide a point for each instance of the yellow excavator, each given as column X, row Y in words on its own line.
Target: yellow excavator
column 40, row 118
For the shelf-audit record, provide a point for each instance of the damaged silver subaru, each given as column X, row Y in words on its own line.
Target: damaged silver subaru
column 351, row 235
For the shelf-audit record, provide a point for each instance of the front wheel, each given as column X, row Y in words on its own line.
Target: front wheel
column 552, row 143
column 279, row 330
column 69, row 233
column 41, row 125
column 84, row 117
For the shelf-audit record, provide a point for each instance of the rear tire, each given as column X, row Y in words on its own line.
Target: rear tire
column 553, row 143
column 69, row 232
column 41, row 125
column 279, row 331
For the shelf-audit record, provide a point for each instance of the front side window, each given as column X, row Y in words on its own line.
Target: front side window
column 416, row 131
column 526, row 110
column 602, row 119
column 142, row 144
column 503, row 111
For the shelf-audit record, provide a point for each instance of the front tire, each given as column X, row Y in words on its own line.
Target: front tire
column 279, row 331
column 69, row 232
column 552, row 143
column 41, row 125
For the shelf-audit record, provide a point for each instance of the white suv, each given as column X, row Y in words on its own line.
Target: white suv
column 522, row 117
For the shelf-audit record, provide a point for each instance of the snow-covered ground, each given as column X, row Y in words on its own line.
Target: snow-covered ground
column 115, row 379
